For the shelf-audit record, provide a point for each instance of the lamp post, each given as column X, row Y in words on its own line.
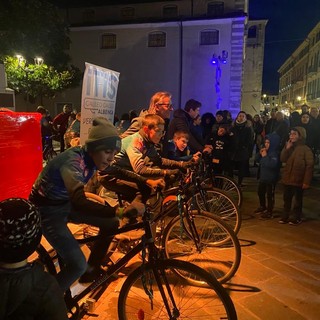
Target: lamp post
column 38, row 61
column 217, row 61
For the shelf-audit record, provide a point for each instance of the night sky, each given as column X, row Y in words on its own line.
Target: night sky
column 289, row 22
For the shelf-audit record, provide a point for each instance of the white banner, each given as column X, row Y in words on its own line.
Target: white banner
column 99, row 93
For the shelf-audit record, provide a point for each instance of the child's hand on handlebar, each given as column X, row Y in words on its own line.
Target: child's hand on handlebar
column 155, row 184
column 207, row 148
column 196, row 157
column 131, row 210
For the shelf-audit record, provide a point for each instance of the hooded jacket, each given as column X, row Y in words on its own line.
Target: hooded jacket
column 29, row 293
column 270, row 164
column 298, row 169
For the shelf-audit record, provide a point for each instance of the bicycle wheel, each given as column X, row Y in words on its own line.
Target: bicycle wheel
column 187, row 302
column 227, row 185
column 219, row 203
column 217, row 251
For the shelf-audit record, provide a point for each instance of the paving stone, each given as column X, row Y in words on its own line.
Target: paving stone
column 293, row 295
column 266, row 307
column 296, row 275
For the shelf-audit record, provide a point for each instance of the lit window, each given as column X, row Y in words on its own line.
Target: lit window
column 215, row 8
column 108, row 41
column 170, row 11
column 209, row 37
column 157, row 39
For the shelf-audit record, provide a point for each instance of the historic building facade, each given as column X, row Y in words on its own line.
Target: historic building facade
column 299, row 76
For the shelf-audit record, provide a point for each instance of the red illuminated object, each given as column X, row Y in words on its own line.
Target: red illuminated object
column 20, row 152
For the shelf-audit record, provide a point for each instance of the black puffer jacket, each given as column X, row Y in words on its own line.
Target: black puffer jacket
column 242, row 140
column 29, row 293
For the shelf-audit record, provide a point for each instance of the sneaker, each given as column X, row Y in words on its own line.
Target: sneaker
column 295, row 222
column 283, row 221
column 260, row 210
column 267, row 215
column 90, row 276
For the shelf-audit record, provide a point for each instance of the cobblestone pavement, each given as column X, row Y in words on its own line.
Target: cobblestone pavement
column 279, row 275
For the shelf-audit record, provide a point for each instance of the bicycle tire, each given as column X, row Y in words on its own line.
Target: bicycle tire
column 227, row 185
column 220, row 253
column 219, row 203
column 210, row 302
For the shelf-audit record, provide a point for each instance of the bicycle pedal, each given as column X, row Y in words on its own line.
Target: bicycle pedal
column 90, row 305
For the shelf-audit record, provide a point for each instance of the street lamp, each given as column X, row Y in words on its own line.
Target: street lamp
column 216, row 61
column 21, row 60
column 38, row 61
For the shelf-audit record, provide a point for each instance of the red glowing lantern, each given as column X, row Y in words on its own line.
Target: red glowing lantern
column 20, row 152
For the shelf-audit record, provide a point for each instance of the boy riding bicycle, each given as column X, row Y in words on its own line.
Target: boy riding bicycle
column 59, row 194
column 139, row 154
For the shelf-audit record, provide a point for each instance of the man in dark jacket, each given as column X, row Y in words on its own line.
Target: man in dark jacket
column 183, row 121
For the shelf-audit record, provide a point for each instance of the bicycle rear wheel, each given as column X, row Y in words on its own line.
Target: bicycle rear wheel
column 227, row 185
column 217, row 251
column 219, row 203
column 187, row 302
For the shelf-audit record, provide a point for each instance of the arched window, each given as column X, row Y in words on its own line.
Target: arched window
column 127, row 12
column 157, row 39
column 170, row 11
column 108, row 41
column 252, row 32
column 209, row 37
column 88, row 16
column 215, row 8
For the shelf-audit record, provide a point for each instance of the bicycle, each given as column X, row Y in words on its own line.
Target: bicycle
column 158, row 288
column 203, row 238
column 220, row 181
column 48, row 152
column 210, row 199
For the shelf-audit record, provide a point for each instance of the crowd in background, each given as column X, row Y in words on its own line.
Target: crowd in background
column 234, row 141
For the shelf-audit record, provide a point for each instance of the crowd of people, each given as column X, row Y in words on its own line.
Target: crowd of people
column 136, row 155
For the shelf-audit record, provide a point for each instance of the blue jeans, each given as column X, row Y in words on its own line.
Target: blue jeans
column 54, row 221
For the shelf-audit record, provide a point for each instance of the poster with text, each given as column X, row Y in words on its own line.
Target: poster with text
column 99, row 93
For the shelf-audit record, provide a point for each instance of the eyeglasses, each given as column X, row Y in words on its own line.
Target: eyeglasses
column 160, row 132
column 168, row 105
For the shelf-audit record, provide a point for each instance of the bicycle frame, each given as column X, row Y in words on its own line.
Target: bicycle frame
column 153, row 256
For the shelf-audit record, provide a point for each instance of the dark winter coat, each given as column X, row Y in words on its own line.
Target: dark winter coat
column 299, row 161
column 30, row 293
column 182, row 122
column 175, row 154
column 242, row 140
